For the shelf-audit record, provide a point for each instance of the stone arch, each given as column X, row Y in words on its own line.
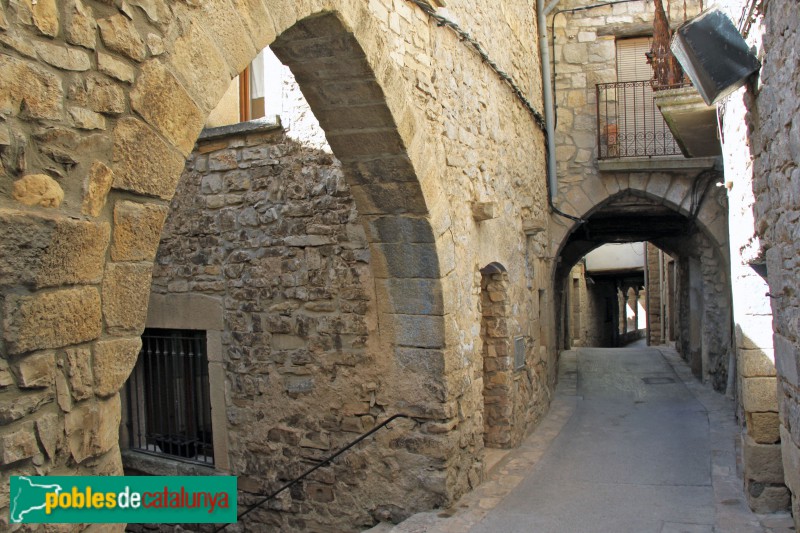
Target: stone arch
column 676, row 191
column 85, row 268
column 691, row 206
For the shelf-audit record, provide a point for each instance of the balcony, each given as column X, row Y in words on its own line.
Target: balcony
column 629, row 123
column 691, row 120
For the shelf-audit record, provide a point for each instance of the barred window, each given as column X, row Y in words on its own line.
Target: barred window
column 169, row 409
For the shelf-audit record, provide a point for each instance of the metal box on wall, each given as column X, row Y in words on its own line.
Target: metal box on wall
column 714, row 55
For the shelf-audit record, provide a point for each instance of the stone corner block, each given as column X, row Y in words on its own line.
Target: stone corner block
column 760, row 394
column 143, row 162
column 137, row 230
column 756, row 363
column 113, row 362
column 44, row 251
column 411, row 296
column 51, row 319
column 415, row 331
column 763, row 427
column 762, row 462
column 403, row 260
column 164, row 103
column 126, row 290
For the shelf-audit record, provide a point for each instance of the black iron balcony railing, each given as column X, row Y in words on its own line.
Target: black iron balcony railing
column 629, row 123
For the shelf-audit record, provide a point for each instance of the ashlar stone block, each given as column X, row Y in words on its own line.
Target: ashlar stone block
column 199, row 64
column 230, row 35
column 48, row 251
column 126, row 289
column 401, row 260
column 763, row 427
column 137, row 230
column 755, row 363
column 113, row 362
column 410, row 296
column 51, row 319
column 143, row 162
column 164, row 103
column 257, row 21
column 762, row 462
column 415, row 331
column 760, row 394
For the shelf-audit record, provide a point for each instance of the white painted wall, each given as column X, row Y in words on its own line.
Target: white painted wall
column 282, row 98
column 609, row 257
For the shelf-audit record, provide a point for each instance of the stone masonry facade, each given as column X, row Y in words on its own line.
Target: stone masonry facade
column 775, row 142
column 367, row 298
column 585, row 55
column 102, row 102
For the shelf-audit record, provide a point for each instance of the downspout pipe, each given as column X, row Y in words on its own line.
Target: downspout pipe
column 547, row 95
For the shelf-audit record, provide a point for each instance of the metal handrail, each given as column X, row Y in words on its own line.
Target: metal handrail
column 316, row 467
column 629, row 124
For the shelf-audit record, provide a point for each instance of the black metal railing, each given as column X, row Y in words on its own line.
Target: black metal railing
column 169, row 409
column 317, row 466
column 629, row 123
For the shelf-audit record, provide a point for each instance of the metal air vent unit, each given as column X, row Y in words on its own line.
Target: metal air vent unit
column 714, row 55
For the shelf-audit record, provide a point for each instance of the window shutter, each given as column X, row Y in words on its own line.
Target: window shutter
column 631, row 60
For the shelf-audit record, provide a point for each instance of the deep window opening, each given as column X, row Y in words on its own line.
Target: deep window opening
column 169, row 407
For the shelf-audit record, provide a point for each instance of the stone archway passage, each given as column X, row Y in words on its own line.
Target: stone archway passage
column 76, row 253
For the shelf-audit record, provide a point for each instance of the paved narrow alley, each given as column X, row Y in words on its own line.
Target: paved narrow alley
column 633, row 443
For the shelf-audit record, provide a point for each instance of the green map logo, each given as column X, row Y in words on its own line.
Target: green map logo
column 122, row 499
column 29, row 497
